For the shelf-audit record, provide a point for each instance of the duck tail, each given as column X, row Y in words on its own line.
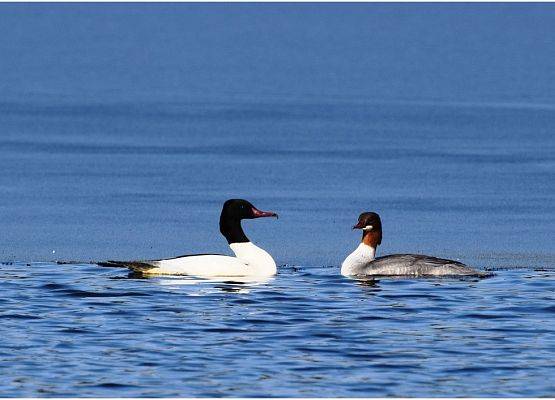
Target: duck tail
column 138, row 266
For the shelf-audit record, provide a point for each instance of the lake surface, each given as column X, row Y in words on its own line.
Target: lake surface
column 124, row 128
column 83, row 330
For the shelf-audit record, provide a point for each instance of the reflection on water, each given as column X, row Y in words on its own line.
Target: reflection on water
column 232, row 284
column 306, row 332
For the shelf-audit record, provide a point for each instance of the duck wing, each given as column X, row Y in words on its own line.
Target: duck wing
column 419, row 265
column 202, row 265
column 146, row 265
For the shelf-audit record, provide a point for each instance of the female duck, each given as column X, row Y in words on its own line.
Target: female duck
column 249, row 260
column 362, row 261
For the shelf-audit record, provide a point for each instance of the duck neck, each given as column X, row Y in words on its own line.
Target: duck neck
column 358, row 259
column 232, row 231
column 371, row 239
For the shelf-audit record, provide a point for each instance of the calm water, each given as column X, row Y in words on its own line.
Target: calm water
column 123, row 128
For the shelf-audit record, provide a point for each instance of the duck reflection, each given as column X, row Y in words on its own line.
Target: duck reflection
column 370, row 285
column 230, row 284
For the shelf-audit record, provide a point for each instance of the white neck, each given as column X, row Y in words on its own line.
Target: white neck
column 256, row 258
column 358, row 259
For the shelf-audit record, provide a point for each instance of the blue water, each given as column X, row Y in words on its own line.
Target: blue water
column 82, row 330
column 123, row 128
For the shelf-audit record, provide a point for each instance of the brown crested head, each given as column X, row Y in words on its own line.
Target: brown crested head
column 371, row 226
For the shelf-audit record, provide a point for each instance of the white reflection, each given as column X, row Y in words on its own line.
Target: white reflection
column 235, row 284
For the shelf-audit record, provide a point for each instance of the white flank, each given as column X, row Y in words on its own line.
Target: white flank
column 250, row 261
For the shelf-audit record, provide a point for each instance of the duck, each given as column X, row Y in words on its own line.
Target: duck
column 249, row 261
column 363, row 261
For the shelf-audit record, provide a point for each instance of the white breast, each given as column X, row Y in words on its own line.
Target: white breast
column 258, row 261
column 355, row 263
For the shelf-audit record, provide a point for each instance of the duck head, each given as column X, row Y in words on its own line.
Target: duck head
column 371, row 226
column 233, row 212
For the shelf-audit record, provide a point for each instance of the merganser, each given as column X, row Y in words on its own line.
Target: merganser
column 362, row 261
column 249, row 260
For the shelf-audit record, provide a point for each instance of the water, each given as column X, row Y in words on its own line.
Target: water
column 83, row 330
column 124, row 128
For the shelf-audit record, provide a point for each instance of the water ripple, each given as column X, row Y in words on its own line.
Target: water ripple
column 294, row 335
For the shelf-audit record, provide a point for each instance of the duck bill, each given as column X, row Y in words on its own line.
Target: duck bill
column 359, row 225
column 261, row 214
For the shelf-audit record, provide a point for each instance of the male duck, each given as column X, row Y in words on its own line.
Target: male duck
column 250, row 260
